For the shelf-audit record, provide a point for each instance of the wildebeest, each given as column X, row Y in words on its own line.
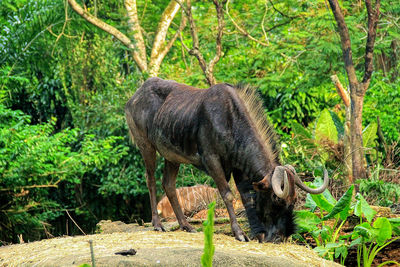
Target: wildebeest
column 223, row 131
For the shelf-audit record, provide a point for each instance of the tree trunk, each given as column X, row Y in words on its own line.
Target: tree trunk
column 358, row 161
column 357, row 89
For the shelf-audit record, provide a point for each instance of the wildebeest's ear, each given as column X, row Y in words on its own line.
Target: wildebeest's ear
column 262, row 185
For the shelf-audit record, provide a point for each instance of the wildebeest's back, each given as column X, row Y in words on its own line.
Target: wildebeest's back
column 165, row 113
column 176, row 124
column 145, row 103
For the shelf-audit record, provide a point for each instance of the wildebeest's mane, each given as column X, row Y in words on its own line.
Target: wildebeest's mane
column 252, row 100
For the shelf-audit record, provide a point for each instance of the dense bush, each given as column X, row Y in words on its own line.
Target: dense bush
column 34, row 162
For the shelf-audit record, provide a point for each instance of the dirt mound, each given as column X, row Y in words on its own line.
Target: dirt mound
column 155, row 249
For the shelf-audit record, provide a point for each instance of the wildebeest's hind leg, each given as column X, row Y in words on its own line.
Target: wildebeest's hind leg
column 216, row 171
column 149, row 156
column 169, row 181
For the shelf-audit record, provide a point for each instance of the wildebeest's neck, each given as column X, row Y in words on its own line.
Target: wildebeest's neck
column 254, row 143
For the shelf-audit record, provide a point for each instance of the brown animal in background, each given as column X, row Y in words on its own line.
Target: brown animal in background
column 191, row 199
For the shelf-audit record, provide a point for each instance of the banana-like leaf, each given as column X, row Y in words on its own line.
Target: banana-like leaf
column 307, row 221
column 384, row 230
column 338, row 123
column 369, row 135
column 362, row 208
column 325, row 128
column 302, row 135
column 342, row 207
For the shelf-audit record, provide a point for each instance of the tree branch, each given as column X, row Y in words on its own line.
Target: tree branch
column 195, row 39
column 195, row 51
column 346, row 44
column 133, row 21
column 340, row 90
column 111, row 30
column 156, row 61
column 243, row 31
column 158, row 51
column 373, row 17
column 221, row 24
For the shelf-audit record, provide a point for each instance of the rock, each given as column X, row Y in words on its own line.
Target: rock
column 109, row 227
column 156, row 249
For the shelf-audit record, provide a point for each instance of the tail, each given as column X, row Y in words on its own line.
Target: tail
column 130, row 122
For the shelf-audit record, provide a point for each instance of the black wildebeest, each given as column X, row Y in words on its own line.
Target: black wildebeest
column 222, row 131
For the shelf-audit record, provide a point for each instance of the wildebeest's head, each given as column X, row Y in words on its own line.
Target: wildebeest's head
column 274, row 204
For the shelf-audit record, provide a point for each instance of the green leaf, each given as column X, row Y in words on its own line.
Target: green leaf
column 395, row 222
column 325, row 128
column 362, row 208
column 341, row 251
column 356, row 242
column 342, row 206
column 307, row 221
column 363, row 230
column 209, row 248
column 322, row 202
column 338, row 123
column 369, row 135
column 310, row 203
column 302, row 135
column 384, row 230
column 328, row 196
column 321, row 250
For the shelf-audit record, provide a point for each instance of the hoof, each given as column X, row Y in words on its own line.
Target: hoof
column 242, row 238
column 159, row 228
column 188, row 229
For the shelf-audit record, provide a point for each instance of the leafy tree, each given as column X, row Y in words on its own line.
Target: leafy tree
column 137, row 45
column 357, row 89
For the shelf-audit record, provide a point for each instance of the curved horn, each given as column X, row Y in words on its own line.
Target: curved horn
column 319, row 190
column 276, row 182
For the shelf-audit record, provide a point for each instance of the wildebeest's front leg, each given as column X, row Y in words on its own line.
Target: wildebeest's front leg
column 168, row 183
column 215, row 170
column 248, row 199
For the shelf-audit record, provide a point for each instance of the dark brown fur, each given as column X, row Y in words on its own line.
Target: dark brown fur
column 219, row 130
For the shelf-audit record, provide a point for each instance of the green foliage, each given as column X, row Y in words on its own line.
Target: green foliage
column 321, row 143
column 369, row 135
column 382, row 99
column 380, row 232
column 325, row 128
column 332, row 245
column 378, row 191
column 326, row 236
column 209, row 248
column 34, row 161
